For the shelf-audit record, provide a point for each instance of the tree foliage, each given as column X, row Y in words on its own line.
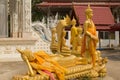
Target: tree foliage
column 36, row 14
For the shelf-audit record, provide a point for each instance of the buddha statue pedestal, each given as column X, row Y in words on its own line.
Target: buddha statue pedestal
column 53, row 48
column 27, row 77
column 75, row 72
column 65, row 50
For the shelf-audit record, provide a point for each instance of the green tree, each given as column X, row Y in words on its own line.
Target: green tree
column 36, row 14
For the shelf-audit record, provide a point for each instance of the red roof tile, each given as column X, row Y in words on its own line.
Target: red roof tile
column 81, row 0
column 102, row 15
column 103, row 28
column 116, row 27
column 45, row 4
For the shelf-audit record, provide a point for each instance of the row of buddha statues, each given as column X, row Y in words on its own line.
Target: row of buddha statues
column 60, row 45
column 83, row 42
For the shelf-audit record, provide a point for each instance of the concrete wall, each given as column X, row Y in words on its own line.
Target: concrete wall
column 104, row 42
column 114, row 42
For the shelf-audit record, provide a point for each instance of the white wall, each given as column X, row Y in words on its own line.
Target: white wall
column 68, row 40
column 104, row 42
column 114, row 42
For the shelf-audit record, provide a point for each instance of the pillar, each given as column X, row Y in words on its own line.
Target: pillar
column 24, row 18
column 13, row 8
column 27, row 18
column 20, row 18
column 3, row 18
column 109, row 39
column 118, row 20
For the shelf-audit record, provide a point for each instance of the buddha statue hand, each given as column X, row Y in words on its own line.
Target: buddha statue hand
column 92, row 36
column 89, row 34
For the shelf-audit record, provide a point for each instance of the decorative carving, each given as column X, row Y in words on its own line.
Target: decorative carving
column 42, row 30
column 27, row 13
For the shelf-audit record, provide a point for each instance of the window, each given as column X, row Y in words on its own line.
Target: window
column 101, row 35
column 104, row 34
column 112, row 35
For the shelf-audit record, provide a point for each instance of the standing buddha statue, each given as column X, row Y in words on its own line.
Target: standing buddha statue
column 74, row 33
column 90, row 38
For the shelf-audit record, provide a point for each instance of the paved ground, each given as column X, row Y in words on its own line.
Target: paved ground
column 113, row 65
column 8, row 69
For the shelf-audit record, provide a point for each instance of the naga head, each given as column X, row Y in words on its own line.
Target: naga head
column 68, row 20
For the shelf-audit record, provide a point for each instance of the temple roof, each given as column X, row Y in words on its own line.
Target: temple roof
column 116, row 27
column 102, row 15
column 46, row 4
column 81, row 0
column 103, row 28
column 102, row 18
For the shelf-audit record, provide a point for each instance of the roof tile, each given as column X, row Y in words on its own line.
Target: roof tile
column 102, row 15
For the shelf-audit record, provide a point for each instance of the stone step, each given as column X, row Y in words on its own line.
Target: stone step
column 10, row 57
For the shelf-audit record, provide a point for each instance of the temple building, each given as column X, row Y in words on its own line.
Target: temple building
column 16, row 29
column 106, row 14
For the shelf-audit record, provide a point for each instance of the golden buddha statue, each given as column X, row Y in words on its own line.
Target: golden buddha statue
column 40, row 62
column 74, row 34
column 53, row 45
column 90, row 38
column 78, row 40
column 64, row 47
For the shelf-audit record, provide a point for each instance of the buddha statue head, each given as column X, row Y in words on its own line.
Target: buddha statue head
column 28, row 53
column 73, row 22
column 89, row 12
